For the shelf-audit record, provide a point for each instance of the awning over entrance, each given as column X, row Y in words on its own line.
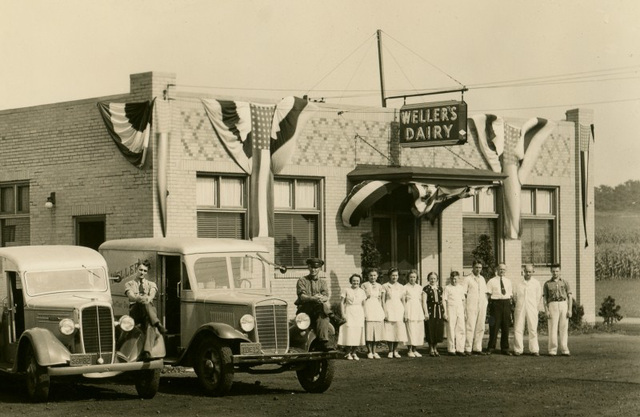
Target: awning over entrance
column 433, row 189
column 445, row 177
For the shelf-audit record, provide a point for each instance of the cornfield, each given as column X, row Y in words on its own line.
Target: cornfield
column 617, row 246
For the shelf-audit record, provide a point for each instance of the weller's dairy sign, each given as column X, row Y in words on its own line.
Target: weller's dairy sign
column 433, row 124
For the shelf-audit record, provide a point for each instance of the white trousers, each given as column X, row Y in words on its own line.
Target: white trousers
column 455, row 328
column 530, row 316
column 558, row 327
column 475, row 328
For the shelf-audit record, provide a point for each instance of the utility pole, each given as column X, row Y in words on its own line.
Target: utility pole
column 384, row 100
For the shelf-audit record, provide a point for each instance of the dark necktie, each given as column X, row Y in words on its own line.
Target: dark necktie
column 502, row 287
column 140, row 288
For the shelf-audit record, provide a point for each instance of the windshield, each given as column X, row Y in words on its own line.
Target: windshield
column 227, row 272
column 43, row 282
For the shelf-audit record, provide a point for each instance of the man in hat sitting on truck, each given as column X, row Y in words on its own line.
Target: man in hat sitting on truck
column 313, row 299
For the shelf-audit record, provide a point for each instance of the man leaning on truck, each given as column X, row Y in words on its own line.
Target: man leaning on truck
column 313, row 299
column 141, row 293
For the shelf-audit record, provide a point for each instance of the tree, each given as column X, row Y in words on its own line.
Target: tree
column 622, row 197
column 370, row 256
column 484, row 252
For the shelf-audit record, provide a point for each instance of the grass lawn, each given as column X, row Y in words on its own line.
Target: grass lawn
column 625, row 292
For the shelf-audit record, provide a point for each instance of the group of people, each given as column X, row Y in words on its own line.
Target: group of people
column 409, row 313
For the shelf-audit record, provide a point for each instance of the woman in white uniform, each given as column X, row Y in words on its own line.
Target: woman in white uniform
column 351, row 333
column 373, row 312
column 395, row 330
column 414, row 314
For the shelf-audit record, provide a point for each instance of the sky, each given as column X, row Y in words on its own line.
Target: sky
column 517, row 58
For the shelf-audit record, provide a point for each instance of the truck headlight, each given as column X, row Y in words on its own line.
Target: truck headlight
column 126, row 323
column 247, row 322
column 303, row 321
column 67, row 327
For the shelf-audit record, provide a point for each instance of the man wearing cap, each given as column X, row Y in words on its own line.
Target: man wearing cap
column 313, row 297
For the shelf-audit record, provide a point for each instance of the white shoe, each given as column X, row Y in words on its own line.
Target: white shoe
column 416, row 354
column 349, row 357
column 411, row 354
column 355, row 357
column 396, row 355
column 375, row 355
column 370, row 355
column 390, row 355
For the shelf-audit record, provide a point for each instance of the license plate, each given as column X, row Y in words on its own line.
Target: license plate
column 250, row 348
column 80, row 359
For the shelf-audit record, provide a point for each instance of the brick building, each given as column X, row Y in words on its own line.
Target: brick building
column 65, row 149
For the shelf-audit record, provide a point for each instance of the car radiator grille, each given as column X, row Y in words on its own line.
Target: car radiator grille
column 98, row 332
column 272, row 328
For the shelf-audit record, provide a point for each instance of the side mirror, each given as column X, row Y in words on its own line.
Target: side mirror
column 116, row 278
column 282, row 269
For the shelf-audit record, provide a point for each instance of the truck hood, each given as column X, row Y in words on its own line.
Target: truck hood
column 68, row 300
column 235, row 297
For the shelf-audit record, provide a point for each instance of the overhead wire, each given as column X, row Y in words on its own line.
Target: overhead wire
column 399, row 66
column 356, row 70
column 600, row 75
column 419, row 56
column 341, row 62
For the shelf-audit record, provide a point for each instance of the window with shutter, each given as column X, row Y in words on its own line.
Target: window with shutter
column 539, row 240
column 14, row 214
column 221, row 206
column 297, row 219
column 480, row 218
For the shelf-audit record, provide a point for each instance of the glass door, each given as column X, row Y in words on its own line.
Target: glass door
column 395, row 236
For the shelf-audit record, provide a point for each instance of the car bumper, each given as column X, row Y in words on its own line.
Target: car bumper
column 107, row 369
column 285, row 358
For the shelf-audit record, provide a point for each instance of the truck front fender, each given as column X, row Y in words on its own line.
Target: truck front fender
column 48, row 349
column 223, row 331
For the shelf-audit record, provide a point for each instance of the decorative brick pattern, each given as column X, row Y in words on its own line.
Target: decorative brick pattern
column 65, row 148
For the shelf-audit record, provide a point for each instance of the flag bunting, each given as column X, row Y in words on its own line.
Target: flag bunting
column 129, row 125
column 512, row 150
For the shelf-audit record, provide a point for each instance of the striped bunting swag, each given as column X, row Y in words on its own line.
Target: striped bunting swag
column 129, row 125
column 231, row 121
column 261, row 139
column 362, row 197
column 514, row 151
column 291, row 115
column 431, row 200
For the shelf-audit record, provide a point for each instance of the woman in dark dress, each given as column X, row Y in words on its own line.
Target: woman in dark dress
column 434, row 313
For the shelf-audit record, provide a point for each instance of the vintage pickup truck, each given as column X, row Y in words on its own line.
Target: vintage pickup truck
column 221, row 316
column 57, row 320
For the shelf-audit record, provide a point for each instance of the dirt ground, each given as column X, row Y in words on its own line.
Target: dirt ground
column 602, row 377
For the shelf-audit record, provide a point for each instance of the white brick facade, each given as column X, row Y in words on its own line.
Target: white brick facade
column 65, row 148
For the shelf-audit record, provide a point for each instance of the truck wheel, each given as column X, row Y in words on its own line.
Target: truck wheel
column 147, row 383
column 214, row 366
column 38, row 382
column 317, row 376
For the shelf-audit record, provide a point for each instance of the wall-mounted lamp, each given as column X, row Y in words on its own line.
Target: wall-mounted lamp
column 51, row 201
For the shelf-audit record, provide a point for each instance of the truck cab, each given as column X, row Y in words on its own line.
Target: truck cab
column 57, row 320
column 215, row 301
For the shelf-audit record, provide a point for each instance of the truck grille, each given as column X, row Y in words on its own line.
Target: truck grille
column 272, row 328
column 98, row 331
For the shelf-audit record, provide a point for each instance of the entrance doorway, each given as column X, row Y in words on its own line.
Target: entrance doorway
column 90, row 231
column 395, row 232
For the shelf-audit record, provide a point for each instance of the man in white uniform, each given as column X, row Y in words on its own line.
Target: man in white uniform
column 453, row 299
column 476, row 306
column 527, row 296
